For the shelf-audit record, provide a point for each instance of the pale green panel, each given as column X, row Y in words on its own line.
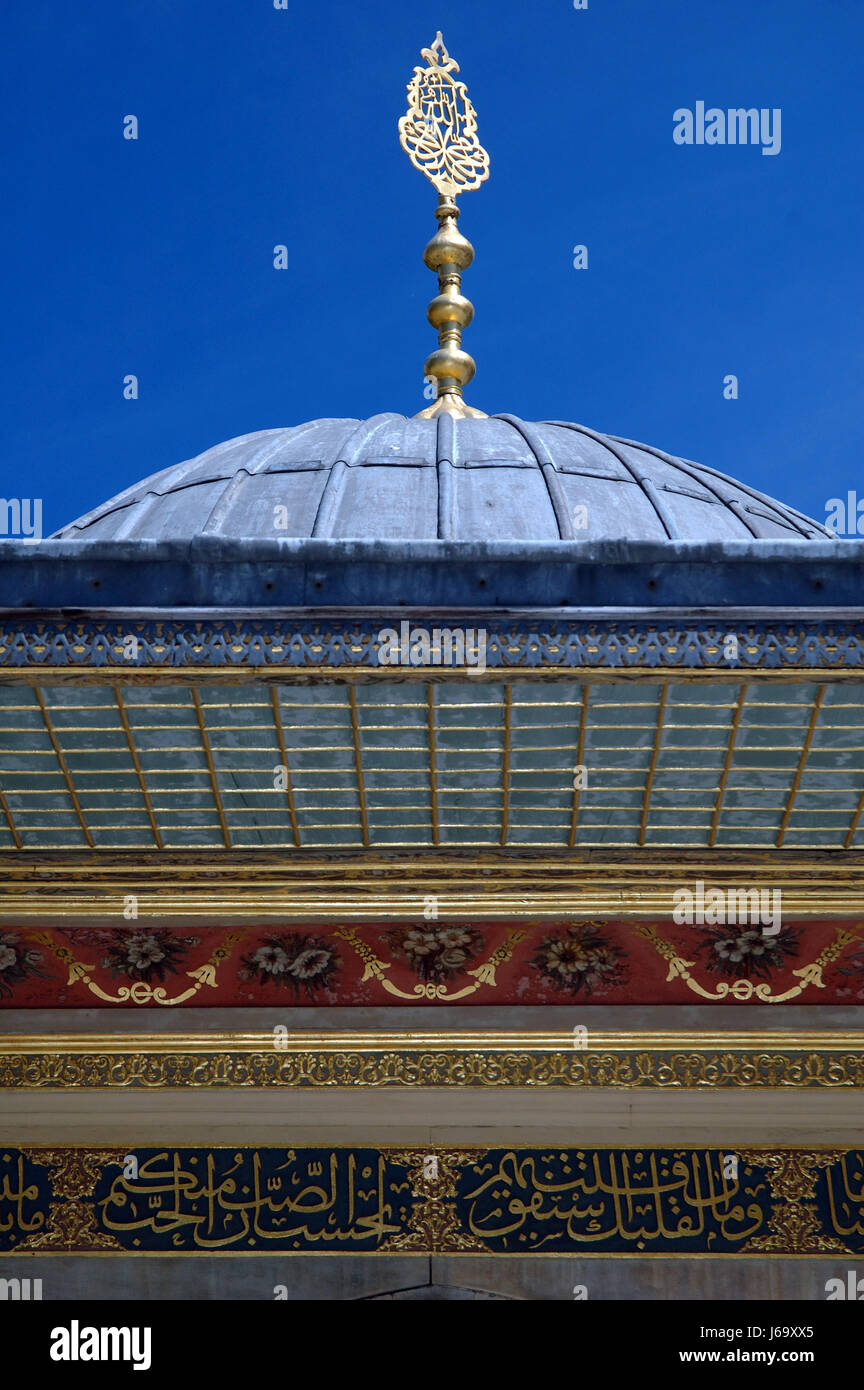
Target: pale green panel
column 734, row 834
column 393, row 723
column 32, row 779
column 670, row 781
column 174, row 765
column 89, row 730
column 680, row 836
column 469, row 736
column 246, row 756
column 319, row 745
column 560, row 703
column 782, row 694
column 619, row 738
column 544, row 741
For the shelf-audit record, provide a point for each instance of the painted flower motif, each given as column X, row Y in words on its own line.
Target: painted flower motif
column 749, row 943
column 140, row 955
column 738, row 954
column 580, row 959
column 435, row 954
column 17, row 962
column 310, row 963
column 144, row 951
column 272, row 960
column 301, row 963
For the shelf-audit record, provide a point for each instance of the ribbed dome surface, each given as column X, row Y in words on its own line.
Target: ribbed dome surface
column 395, row 478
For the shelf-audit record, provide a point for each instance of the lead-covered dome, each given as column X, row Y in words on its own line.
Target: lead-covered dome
column 396, row 478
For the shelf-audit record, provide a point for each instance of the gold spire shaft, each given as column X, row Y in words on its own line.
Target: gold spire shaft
column 439, row 134
column 449, row 253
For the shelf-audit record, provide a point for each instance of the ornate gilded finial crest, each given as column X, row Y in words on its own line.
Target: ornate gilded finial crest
column 439, row 130
column 439, row 135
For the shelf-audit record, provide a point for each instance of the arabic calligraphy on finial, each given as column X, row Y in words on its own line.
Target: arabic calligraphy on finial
column 439, row 130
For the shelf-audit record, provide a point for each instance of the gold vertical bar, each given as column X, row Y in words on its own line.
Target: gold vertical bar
column 283, row 754
column 58, row 753
column 136, row 761
column 211, row 767
column 802, row 761
column 727, row 764
column 505, row 764
column 358, row 764
column 13, row 829
column 433, row 755
column 850, row 833
column 580, row 756
column 655, row 754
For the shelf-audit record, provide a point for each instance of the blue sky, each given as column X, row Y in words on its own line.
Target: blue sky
column 260, row 126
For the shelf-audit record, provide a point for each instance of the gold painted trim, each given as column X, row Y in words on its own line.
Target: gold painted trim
column 354, row 675
column 685, row 1060
column 343, row 886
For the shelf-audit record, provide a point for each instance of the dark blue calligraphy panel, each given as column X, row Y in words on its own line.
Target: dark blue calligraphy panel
column 503, row 1201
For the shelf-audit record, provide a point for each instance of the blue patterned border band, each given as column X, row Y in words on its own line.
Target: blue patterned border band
column 427, row 643
column 456, row 1200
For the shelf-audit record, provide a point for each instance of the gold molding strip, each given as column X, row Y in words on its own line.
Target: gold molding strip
column 338, row 886
column 685, row 1060
column 359, row 675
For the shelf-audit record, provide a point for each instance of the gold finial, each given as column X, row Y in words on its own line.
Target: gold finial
column 439, row 135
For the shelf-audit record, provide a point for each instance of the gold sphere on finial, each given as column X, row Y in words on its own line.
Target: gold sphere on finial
column 439, row 135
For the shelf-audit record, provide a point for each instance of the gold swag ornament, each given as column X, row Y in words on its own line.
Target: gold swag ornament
column 439, row 135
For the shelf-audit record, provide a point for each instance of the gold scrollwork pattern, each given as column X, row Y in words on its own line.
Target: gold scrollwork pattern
column 140, row 992
column 745, row 990
column 795, row 1223
column 434, row 1225
column 151, row 1062
column 72, row 1220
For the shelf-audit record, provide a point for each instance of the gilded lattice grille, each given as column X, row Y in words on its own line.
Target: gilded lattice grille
column 483, row 763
